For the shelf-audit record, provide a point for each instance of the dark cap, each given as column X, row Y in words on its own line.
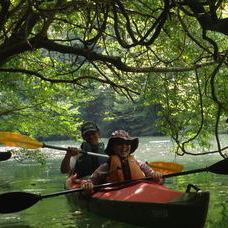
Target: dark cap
column 121, row 136
column 88, row 126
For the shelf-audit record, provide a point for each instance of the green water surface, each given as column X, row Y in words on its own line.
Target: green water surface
column 56, row 212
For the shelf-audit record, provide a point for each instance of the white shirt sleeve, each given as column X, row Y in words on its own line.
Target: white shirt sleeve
column 73, row 160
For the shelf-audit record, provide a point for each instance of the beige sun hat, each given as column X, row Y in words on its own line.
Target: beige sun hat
column 121, row 136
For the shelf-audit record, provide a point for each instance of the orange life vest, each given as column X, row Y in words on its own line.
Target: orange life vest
column 116, row 171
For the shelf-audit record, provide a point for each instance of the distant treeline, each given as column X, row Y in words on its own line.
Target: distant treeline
column 111, row 113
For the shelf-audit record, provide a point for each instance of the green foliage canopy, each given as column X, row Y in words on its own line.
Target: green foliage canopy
column 174, row 53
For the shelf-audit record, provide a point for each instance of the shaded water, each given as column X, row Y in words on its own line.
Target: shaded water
column 56, row 212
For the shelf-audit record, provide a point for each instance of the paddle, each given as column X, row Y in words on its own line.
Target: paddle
column 18, row 140
column 165, row 167
column 5, row 155
column 17, row 201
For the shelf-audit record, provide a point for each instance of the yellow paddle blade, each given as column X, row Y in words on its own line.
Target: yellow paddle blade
column 166, row 167
column 18, row 140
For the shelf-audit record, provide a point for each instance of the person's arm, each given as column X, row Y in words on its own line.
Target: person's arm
column 100, row 174
column 65, row 164
column 98, row 177
column 149, row 172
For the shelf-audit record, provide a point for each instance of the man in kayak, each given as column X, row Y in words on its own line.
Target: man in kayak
column 121, row 164
column 84, row 164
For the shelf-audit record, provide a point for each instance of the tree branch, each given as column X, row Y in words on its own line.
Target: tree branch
column 208, row 20
column 71, row 81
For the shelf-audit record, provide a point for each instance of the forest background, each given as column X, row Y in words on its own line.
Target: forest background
column 151, row 67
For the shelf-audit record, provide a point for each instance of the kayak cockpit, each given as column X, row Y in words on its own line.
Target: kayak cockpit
column 140, row 192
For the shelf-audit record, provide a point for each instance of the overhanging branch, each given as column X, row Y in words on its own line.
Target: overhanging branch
column 116, row 61
column 72, row 81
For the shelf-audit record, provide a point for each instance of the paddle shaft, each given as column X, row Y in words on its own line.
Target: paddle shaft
column 124, row 182
column 83, row 152
column 17, row 140
column 220, row 167
column 77, row 190
column 26, row 142
column 95, row 187
column 166, row 166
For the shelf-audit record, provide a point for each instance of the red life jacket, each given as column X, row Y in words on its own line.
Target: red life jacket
column 116, row 170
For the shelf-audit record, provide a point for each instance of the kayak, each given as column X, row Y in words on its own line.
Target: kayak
column 145, row 203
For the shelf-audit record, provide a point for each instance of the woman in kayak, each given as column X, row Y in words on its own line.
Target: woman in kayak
column 121, row 164
column 83, row 164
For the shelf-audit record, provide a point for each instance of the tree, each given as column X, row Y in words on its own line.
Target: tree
column 33, row 108
column 113, row 111
column 123, row 44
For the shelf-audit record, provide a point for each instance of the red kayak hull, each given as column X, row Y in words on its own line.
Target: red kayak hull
column 152, row 192
column 147, row 204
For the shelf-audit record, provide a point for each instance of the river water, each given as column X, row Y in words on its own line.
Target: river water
column 56, row 212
